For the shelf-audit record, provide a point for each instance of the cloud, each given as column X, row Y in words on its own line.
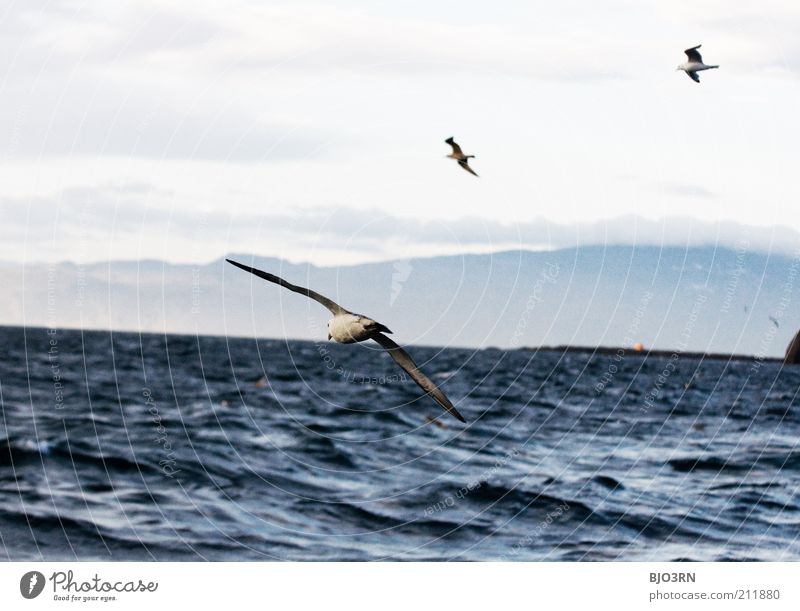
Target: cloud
column 686, row 190
column 471, row 233
column 298, row 37
column 90, row 79
column 136, row 220
column 171, row 81
column 128, row 125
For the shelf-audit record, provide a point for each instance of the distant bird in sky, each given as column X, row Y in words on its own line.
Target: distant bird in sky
column 775, row 322
column 347, row 328
column 459, row 156
column 694, row 64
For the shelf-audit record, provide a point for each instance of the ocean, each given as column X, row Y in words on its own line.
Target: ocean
column 162, row 447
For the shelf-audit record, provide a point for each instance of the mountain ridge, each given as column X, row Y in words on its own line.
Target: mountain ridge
column 705, row 299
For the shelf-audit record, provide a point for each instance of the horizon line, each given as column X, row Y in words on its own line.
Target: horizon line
column 564, row 348
column 467, row 253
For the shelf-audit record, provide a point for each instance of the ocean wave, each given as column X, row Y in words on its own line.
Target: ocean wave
column 308, row 465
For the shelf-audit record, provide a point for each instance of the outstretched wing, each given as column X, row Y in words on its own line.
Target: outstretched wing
column 456, row 149
column 792, row 356
column 694, row 76
column 694, row 55
column 402, row 358
column 464, row 164
column 334, row 307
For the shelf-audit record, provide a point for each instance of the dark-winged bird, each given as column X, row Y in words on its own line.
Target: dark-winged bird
column 347, row 328
column 459, row 156
column 694, row 64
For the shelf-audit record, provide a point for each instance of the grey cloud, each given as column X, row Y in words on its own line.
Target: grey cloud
column 128, row 211
column 542, row 234
column 686, row 190
column 35, row 28
column 335, row 38
column 99, row 92
column 86, row 122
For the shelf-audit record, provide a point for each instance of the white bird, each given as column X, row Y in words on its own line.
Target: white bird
column 694, row 64
column 347, row 328
column 459, row 156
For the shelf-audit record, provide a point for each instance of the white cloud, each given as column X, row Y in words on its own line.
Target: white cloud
column 262, row 111
column 135, row 221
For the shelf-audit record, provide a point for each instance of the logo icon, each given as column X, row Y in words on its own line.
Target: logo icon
column 31, row 584
column 401, row 272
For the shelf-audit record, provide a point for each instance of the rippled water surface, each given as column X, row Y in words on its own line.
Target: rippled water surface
column 130, row 447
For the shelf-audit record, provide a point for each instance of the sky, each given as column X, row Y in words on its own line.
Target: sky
column 315, row 131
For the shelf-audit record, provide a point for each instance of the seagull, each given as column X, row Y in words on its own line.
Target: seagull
column 774, row 322
column 695, row 64
column 459, row 156
column 347, row 328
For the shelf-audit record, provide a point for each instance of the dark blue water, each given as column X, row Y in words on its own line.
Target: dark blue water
column 131, row 447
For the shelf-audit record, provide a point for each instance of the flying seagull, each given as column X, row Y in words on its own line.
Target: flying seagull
column 347, row 328
column 775, row 322
column 459, row 156
column 694, row 64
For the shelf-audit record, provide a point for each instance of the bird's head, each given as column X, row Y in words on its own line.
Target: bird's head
column 329, row 330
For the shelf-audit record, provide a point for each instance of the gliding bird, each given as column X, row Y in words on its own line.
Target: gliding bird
column 459, row 156
column 347, row 328
column 694, row 64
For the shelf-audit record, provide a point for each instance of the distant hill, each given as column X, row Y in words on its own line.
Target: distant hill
column 699, row 299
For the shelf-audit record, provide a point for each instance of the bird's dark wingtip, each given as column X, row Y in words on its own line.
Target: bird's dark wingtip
column 241, row 266
column 454, row 411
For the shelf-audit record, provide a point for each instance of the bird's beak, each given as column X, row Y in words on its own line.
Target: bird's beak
column 329, row 337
